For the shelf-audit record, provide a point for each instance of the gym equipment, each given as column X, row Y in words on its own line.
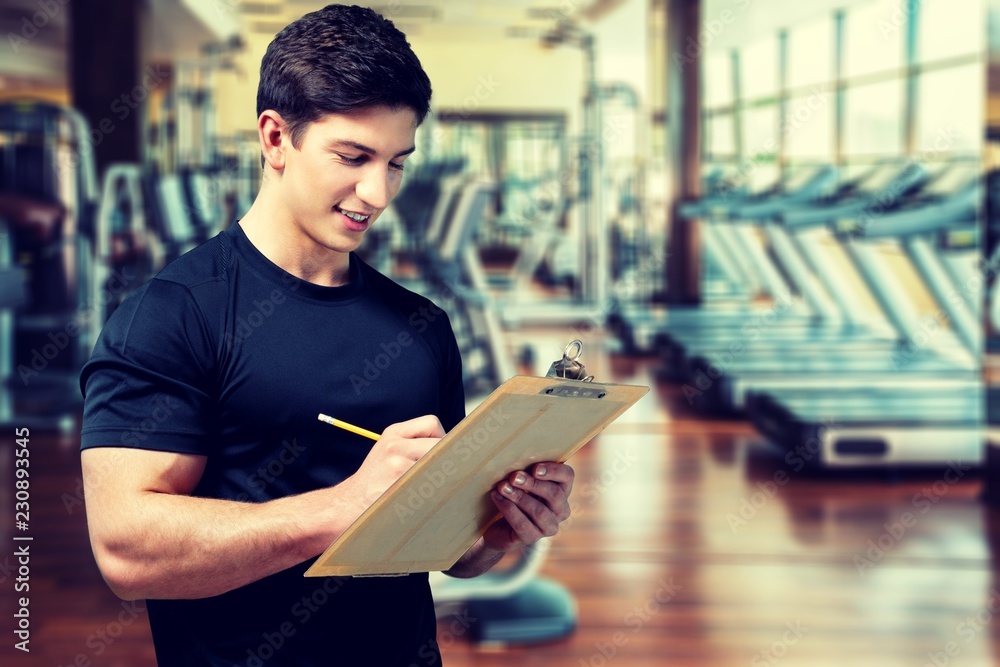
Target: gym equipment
column 795, row 353
column 456, row 272
column 834, row 309
column 180, row 215
column 126, row 253
column 733, row 245
column 923, row 404
column 48, row 184
column 733, row 250
column 414, row 204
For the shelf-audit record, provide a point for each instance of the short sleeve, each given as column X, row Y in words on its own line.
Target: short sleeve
column 148, row 383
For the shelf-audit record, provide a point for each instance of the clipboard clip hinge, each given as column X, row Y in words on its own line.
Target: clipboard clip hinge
column 569, row 367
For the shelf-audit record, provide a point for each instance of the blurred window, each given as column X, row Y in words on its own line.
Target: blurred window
column 943, row 125
column 810, row 53
column 718, row 80
column 874, row 119
column 721, row 142
column 949, row 28
column 808, row 126
column 874, row 37
column 759, row 69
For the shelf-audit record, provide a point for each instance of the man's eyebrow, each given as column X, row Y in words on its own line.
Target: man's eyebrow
column 368, row 150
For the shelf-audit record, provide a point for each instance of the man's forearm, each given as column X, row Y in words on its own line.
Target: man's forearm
column 177, row 546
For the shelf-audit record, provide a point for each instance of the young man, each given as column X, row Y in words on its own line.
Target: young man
column 210, row 484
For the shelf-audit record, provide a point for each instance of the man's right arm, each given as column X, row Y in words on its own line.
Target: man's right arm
column 152, row 539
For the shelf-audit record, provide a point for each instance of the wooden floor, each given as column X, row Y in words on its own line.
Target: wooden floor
column 692, row 544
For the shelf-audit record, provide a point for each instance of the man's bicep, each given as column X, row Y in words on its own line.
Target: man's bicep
column 112, row 473
column 121, row 486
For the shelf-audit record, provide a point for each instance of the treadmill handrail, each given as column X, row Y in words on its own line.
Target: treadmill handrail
column 819, row 183
column 910, row 176
column 936, row 217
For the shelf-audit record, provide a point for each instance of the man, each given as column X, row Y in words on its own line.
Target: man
column 210, row 484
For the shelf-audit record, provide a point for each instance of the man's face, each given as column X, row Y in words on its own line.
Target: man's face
column 346, row 170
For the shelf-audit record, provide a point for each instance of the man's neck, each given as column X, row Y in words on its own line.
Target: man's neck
column 272, row 230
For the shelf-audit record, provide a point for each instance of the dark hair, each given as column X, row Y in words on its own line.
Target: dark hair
column 336, row 60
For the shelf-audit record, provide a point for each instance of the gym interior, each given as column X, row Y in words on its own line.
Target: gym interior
column 777, row 215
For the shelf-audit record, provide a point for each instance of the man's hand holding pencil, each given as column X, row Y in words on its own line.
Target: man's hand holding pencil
column 532, row 502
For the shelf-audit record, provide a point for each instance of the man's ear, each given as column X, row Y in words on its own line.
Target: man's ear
column 273, row 133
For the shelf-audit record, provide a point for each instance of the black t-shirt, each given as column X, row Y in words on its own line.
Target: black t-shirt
column 226, row 355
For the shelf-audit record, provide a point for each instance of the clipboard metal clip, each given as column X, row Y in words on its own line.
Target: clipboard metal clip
column 569, row 366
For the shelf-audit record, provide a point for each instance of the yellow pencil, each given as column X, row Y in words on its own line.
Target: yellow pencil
column 349, row 427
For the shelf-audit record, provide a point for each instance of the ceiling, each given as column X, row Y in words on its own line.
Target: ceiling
column 468, row 20
column 180, row 28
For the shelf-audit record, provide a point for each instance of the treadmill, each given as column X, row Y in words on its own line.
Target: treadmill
column 905, row 415
column 735, row 247
column 833, row 310
column 953, row 356
column 725, row 281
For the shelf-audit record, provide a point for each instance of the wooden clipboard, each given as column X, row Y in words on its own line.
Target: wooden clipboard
column 441, row 506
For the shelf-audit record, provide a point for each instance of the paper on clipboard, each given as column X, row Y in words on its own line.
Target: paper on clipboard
column 440, row 507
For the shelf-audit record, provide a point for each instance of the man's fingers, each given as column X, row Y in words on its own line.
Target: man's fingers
column 427, row 426
column 524, row 529
column 555, row 472
column 541, row 514
column 412, row 448
column 555, row 495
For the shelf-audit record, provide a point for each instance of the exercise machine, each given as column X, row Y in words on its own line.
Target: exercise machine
column 49, row 192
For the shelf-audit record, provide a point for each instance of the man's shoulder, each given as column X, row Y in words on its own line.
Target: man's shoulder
column 207, row 263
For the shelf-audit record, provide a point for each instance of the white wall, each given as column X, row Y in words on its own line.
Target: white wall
column 502, row 76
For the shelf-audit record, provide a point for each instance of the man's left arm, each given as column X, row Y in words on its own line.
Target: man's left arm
column 532, row 503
